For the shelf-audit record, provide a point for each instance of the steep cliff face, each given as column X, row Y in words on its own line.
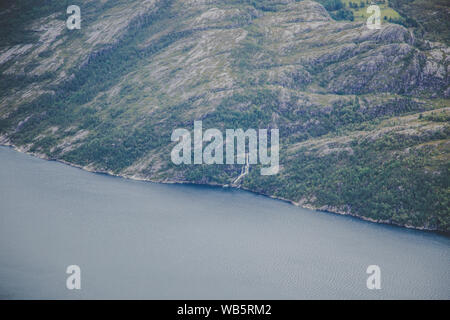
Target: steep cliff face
column 363, row 114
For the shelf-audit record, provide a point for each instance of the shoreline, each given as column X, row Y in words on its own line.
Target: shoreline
column 323, row 209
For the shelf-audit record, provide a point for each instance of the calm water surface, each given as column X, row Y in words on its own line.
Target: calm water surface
column 144, row 240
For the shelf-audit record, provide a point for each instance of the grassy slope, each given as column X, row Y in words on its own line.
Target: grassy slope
column 429, row 17
column 383, row 156
column 361, row 13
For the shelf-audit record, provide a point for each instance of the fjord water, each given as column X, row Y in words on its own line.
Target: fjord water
column 136, row 239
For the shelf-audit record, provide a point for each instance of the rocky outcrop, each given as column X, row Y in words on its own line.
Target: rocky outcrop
column 337, row 91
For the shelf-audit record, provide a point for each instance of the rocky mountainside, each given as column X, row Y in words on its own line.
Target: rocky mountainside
column 363, row 114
